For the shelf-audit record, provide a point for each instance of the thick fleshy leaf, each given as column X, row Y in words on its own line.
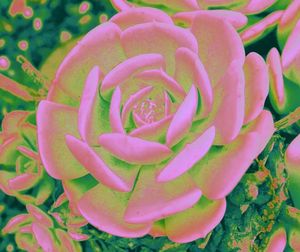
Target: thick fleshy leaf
column 16, row 222
column 256, row 85
column 23, row 181
column 219, row 44
column 87, row 53
column 151, row 200
column 105, row 208
column 223, row 167
column 44, row 237
column 190, row 71
column 115, row 112
column 277, row 241
column 183, row 118
column 53, row 122
column 67, row 244
column 153, row 131
column 255, row 6
column 93, row 162
column 277, row 93
column 39, row 216
column 288, row 21
column 124, row 70
column 229, row 103
column 134, row 16
column 134, row 150
column 161, row 78
column 291, row 55
column 261, row 28
column 157, row 38
column 89, row 123
column 236, row 19
column 292, row 158
column 188, row 156
column 195, row 222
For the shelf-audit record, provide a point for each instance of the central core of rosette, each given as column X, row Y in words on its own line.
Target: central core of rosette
column 150, row 110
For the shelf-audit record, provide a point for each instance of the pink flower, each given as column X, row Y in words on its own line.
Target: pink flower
column 36, row 230
column 21, row 167
column 150, row 125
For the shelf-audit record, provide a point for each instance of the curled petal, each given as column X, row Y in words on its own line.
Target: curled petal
column 115, row 112
column 219, row 44
column 54, row 121
column 222, row 168
column 229, row 93
column 96, row 166
column 39, row 215
column 44, row 237
column 15, row 223
column 138, row 120
column 88, row 52
column 236, row 19
column 190, row 70
column 257, row 30
column 152, row 130
column 66, row 241
column 157, row 38
column 183, row 118
column 125, row 69
column 23, row 181
column 256, row 85
column 134, row 150
column 104, row 209
column 134, row 16
column 152, row 201
column 291, row 55
column 255, row 6
column 288, row 21
column 188, row 157
column 195, row 222
column 88, row 121
column 277, row 93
